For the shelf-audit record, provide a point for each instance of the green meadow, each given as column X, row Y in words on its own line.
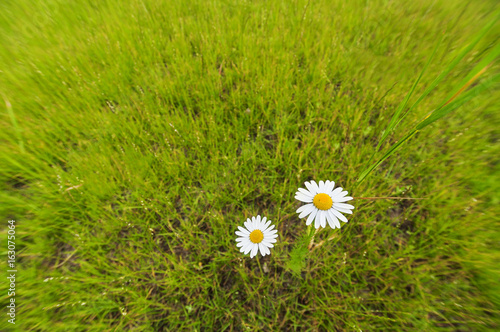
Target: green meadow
column 137, row 135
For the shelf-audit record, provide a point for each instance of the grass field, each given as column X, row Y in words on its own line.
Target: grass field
column 137, row 135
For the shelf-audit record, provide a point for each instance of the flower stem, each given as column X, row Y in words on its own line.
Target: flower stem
column 312, row 235
column 258, row 263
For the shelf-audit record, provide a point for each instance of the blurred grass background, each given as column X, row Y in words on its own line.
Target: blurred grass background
column 137, row 135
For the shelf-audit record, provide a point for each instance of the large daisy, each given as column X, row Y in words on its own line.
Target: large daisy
column 257, row 235
column 324, row 204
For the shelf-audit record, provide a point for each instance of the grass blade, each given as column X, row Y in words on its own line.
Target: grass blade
column 435, row 115
column 454, row 104
column 474, row 73
column 15, row 125
column 455, row 61
column 446, row 107
column 394, row 120
column 386, row 155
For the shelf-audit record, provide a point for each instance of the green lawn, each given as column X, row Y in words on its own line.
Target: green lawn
column 137, row 135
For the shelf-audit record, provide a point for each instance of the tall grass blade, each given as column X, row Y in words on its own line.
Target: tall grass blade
column 15, row 125
column 435, row 115
column 450, row 103
column 402, row 105
column 474, row 73
column 457, row 102
column 455, row 61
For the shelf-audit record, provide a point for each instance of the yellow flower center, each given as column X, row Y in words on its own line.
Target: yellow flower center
column 256, row 236
column 322, row 201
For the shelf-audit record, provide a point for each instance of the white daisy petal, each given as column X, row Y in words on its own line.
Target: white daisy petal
column 268, row 229
column 330, row 220
column 334, row 219
column 268, row 252
column 301, row 208
column 264, row 219
column 243, row 243
column 261, row 225
column 311, row 217
column 343, row 206
column 317, row 221
column 303, row 198
column 343, row 210
column 243, row 230
column 311, row 188
column 268, row 236
column 315, row 187
column 323, row 219
column 342, row 193
column 249, row 225
column 266, row 225
column 342, row 199
column 261, row 249
column 248, row 248
column 270, row 233
column 256, row 223
column 321, row 186
column 242, row 234
column 305, row 192
column 330, row 185
column 267, row 243
column 339, row 194
column 339, row 215
column 336, row 192
column 307, row 210
column 254, row 251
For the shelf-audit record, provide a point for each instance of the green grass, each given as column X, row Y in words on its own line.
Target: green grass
column 137, row 136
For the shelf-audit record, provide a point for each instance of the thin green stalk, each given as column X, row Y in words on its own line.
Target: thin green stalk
column 435, row 115
column 446, row 106
column 394, row 120
column 15, row 125
column 455, row 61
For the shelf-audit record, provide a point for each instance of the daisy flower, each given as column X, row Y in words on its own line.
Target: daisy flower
column 257, row 235
column 325, row 204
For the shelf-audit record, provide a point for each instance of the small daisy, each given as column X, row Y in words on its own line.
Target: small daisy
column 257, row 236
column 325, row 204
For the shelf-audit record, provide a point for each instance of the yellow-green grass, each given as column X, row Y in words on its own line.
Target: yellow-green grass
column 137, row 135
